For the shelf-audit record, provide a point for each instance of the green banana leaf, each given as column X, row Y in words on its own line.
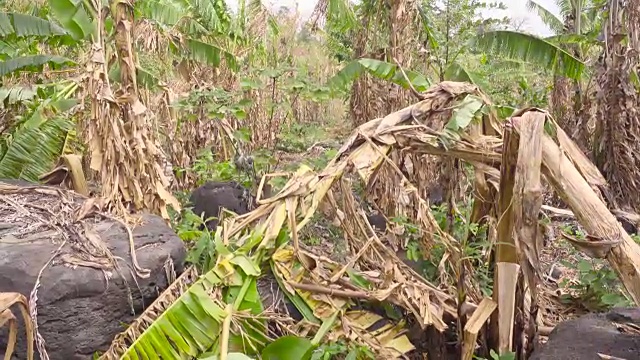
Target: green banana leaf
column 529, row 48
column 380, row 69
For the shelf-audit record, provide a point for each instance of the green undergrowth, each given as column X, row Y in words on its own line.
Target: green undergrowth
column 596, row 286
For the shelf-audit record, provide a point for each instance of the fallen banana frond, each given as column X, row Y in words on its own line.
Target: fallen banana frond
column 7, row 300
column 321, row 288
column 323, row 301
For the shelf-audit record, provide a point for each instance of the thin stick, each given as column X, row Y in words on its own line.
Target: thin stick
column 329, row 291
column 224, row 337
column 413, row 90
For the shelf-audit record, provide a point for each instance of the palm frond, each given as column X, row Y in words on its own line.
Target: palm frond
column 552, row 21
column 531, row 49
column 566, row 6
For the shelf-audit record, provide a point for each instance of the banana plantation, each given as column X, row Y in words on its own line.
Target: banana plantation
column 378, row 179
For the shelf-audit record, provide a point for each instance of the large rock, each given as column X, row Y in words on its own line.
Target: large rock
column 79, row 311
column 583, row 338
column 208, row 199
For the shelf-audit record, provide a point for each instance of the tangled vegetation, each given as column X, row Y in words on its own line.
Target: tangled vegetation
column 428, row 112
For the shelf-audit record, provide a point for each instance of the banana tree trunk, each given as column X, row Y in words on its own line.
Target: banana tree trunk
column 560, row 101
column 124, row 151
column 617, row 145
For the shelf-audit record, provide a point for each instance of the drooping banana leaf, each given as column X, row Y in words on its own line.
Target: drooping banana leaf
column 213, row 14
column 33, row 150
column 208, row 53
column 380, row 69
column 464, row 113
column 16, row 94
column 27, row 25
column 456, row 72
column 564, row 39
column 433, row 37
column 341, row 12
column 73, row 16
column 166, row 13
column 32, row 63
column 529, row 48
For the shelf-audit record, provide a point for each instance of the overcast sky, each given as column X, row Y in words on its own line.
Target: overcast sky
column 516, row 9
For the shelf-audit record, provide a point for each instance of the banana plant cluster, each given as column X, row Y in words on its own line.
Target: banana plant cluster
column 38, row 112
column 35, row 128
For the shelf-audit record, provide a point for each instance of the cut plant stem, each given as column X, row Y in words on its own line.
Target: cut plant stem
column 526, row 207
column 504, row 291
column 473, row 326
column 507, row 268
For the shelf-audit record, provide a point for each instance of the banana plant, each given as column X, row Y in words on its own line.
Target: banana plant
column 41, row 135
column 564, row 52
column 41, row 130
column 380, row 69
column 197, row 30
column 20, row 33
column 218, row 314
column 198, row 322
column 529, row 48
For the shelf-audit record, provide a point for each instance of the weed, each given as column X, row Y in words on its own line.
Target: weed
column 198, row 239
column 597, row 286
column 313, row 241
column 321, row 161
column 335, row 349
column 473, row 251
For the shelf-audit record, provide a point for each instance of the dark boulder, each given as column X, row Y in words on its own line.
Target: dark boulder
column 436, row 195
column 587, row 336
column 79, row 310
column 377, row 221
column 208, row 199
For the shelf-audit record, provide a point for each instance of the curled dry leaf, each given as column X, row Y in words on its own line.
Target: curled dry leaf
column 7, row 300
